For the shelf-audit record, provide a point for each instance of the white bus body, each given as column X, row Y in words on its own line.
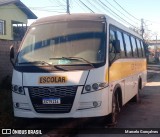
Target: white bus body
column 58, row 86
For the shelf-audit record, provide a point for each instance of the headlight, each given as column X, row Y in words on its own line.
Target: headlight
column 94, row 87
column 18, row 89
column 88, row 88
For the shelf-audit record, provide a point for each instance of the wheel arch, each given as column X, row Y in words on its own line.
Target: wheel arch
column 118, row 90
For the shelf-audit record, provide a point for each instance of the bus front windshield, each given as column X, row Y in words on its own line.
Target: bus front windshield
column 64, row 43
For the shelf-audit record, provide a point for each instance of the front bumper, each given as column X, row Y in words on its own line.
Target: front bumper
column 85, row 105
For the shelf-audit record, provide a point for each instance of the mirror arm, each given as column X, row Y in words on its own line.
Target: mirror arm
column 12, row 55
column 12, row 63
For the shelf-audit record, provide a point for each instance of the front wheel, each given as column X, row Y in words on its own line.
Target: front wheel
column 113, row 117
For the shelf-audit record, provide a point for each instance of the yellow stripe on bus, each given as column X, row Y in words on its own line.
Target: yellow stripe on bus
column 122, row 69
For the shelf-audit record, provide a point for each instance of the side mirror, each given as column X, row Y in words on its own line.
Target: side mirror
column 12, row 55
column 116, row 45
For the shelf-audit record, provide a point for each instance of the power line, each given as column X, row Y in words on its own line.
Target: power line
column 77, row 2
column 64, row 1
column 47, row 7
column 50, row 1
column 125, row 10
column 54, row 2
column 97, row 3
column 49, row 10
column 87, row 6
column 71, row 3
column 152, row 21
column 59, row 3
column 44, row 8
column 115, row 13
column 102, row 6
column 120, row 11
column 93, row 5
column 32, row 7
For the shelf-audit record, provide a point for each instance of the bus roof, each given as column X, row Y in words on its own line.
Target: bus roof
column 69, row 17
column 84, row 16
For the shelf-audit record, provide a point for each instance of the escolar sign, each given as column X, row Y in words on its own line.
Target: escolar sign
column 52, row 79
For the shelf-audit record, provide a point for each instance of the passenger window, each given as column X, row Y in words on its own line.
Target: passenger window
column 139, row 48
column 128, row 45
column 111, row 39
column 142, row 46
column 112, row 53
column 120, row 38
column 134, row 47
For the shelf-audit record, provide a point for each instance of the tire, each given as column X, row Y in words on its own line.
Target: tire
column 136, row 98
column 113, row 117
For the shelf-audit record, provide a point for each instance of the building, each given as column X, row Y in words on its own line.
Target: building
column 154, row 51
column 13, row 19
column 14, row 16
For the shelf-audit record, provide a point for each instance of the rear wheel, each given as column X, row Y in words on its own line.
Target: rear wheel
column 136, row 98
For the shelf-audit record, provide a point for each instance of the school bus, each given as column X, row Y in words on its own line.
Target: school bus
column 77, row 65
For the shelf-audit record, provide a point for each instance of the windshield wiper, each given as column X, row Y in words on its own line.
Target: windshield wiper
column 37, row 62
column 74, row 58
column 79, row 59
column 43, row 62
column 55, row 58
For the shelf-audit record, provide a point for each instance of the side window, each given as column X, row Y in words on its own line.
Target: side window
column 139, row 48
column 128, row 45
column 2, row 27
column 120, row 38
column 142, row 46
column 112, row 37
column 134, row 47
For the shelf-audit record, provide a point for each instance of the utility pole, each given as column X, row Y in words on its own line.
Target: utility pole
column 68, row 11
column 142, row 27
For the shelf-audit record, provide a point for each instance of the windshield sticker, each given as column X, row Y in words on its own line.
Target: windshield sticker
column 64, row 61
column 52, row 79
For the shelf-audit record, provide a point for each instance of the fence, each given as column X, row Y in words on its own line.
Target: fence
column 5, row 65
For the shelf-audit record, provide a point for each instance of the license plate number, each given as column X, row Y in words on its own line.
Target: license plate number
column 51, row 101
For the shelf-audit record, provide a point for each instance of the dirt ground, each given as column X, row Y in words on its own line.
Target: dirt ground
column 143, row 115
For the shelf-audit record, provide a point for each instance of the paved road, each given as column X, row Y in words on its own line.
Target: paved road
column 146, row 114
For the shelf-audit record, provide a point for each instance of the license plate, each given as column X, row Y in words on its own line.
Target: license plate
column 51, row 101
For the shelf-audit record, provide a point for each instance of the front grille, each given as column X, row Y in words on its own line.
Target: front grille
column 65, row 93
